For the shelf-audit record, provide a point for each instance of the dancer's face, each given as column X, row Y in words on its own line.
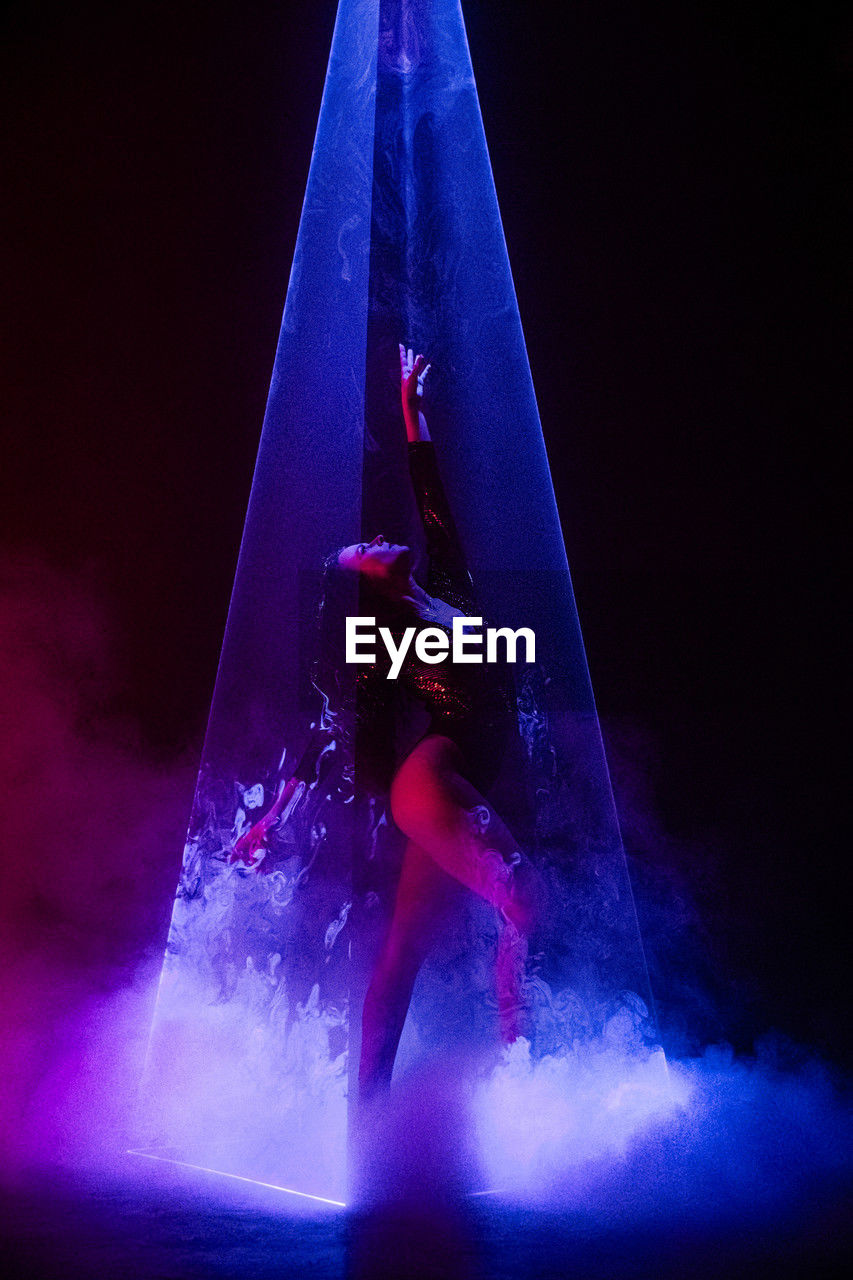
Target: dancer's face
column 386, row 564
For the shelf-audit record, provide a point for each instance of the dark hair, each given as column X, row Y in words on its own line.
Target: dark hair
column 359, row 704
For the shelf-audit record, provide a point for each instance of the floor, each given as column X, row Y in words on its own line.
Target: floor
column 167, row 1224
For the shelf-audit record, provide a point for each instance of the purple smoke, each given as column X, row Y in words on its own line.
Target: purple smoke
column 94, row 830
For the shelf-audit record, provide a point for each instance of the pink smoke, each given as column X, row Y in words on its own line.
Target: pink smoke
column 92, row 848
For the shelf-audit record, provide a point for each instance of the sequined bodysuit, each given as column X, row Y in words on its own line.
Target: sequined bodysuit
column 469, row 702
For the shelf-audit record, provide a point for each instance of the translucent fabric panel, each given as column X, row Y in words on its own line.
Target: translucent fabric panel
column 252, row 1014
column 256, row 1035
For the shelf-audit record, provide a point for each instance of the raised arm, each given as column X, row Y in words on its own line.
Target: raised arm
column 413, row 372
column 449, row 576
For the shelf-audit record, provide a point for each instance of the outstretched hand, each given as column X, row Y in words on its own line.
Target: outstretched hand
column 251, row 848
column 413, row 372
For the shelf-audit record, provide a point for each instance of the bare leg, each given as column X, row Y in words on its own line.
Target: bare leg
column 436, row 806
column 422, row 896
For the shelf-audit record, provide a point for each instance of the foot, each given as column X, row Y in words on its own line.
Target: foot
column 509, row 978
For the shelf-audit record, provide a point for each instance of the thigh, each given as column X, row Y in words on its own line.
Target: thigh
column 432, row 799
column 436, row 806
column 425, row 783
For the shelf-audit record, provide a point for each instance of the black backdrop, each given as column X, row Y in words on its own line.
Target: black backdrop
column 668, row 181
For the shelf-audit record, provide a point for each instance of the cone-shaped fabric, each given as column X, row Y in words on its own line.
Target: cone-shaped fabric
column 259, row 1008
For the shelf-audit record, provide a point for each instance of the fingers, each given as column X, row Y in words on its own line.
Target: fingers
column 420, row 371
column 412, row 364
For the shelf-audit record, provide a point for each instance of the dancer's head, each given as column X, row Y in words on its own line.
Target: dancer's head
column 380, row 565
column 365, row 578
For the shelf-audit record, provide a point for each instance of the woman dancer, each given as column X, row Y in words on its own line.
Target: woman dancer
column 437, row 790
column 436, row 794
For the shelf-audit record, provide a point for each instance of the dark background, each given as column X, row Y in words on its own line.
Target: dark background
column 668, row 181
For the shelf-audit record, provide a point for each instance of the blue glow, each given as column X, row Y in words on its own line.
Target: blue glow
column 256, row 1032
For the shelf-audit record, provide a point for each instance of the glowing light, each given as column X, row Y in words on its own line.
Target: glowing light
column 236, row 1177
